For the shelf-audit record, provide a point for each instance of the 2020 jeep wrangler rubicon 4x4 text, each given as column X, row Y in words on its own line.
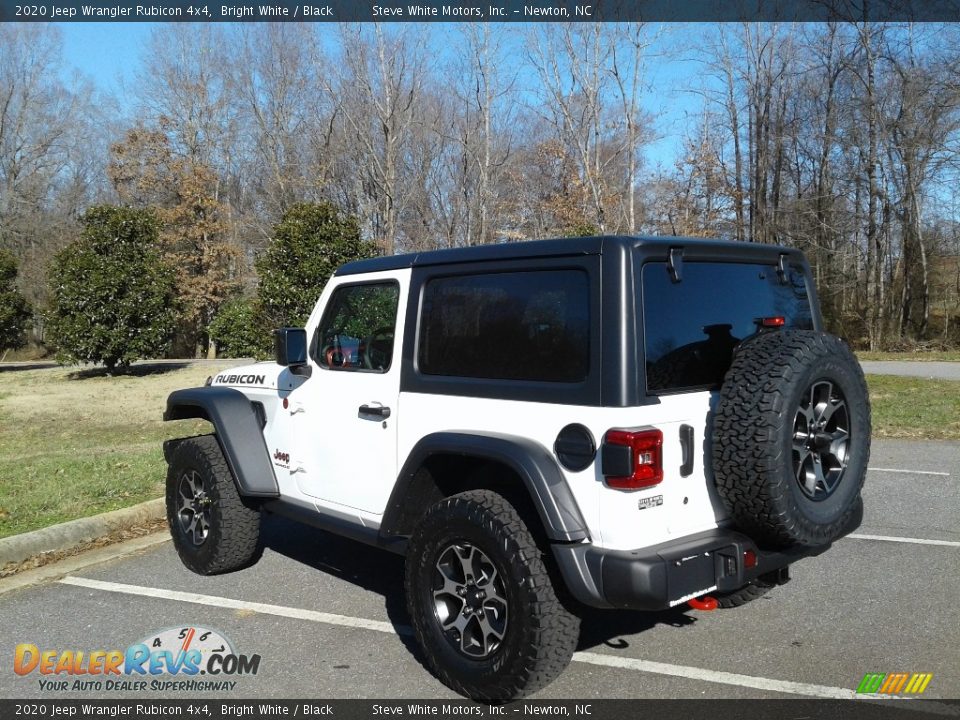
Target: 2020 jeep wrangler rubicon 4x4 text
column 614, row 422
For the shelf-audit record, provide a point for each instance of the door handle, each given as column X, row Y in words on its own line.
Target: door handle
column 377, row 411
column 686, row 446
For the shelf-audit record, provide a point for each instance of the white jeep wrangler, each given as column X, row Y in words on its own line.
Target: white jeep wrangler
column 615, row 422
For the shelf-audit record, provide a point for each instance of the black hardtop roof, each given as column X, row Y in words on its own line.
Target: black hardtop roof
column 569, row 247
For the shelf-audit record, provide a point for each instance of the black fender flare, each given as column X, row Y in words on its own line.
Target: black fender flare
column 237, row 431
column 533, row 463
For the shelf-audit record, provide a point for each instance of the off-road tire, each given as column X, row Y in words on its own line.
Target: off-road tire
column 540, row 634
column 233, row 538
column 748, row 593
column 755, row 459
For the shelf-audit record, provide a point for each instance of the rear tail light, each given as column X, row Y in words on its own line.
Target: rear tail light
column 775, row 321
column 633, row 459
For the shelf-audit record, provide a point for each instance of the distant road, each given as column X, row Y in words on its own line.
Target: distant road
column 934, row 370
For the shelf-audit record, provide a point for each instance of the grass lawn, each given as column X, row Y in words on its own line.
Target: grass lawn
column 74, row 443
column 915, row 408
column 77, row 443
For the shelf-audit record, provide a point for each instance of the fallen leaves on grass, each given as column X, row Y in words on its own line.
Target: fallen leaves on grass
column 116, row 536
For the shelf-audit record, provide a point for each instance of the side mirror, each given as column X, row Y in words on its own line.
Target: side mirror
column 290, row 349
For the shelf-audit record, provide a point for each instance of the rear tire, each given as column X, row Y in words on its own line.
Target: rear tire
column 483, row 607
column 214, row 529
column 791, row 438
column 748, row 593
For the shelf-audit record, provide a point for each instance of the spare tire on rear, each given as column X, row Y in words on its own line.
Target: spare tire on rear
column 791, row 438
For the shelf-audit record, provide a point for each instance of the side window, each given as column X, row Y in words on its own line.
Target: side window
column 507, row 326
column 356, row 331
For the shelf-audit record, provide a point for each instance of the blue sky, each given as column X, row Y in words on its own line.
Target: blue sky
column 109, row 54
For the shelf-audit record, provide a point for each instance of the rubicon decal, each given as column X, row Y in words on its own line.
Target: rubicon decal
column 240, row 380
column 894, row 683
column 178, row 651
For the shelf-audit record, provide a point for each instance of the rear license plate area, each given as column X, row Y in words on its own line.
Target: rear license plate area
column 689, row 576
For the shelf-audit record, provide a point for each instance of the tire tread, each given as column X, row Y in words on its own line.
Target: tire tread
column 238, row 539
column 749, row 422
column 555, row 630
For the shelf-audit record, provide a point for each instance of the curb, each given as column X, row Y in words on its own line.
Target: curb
column 68, row 535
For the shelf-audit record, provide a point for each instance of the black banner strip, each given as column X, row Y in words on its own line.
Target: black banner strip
column 486, row 11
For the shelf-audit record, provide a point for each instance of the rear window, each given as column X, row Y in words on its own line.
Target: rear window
column 691, row 327
column 507, row 326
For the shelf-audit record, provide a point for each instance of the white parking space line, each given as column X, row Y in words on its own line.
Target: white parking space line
column 909, row 472
column 718, row 676
column 222, row 602
column 914, row 541
column 623, row 663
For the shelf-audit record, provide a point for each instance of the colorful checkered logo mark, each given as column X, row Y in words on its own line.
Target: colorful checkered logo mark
column 894, row 683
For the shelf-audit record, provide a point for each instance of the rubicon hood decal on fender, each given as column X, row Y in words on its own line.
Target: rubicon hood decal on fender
column 239, row 379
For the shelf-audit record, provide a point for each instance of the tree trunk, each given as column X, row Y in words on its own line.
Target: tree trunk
column 874, row 249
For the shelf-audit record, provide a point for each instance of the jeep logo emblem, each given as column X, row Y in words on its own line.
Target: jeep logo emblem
column 282, row 457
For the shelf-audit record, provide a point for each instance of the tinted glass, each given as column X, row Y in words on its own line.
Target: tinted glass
column 692, row 327
column 507, row 326
column 357, row 328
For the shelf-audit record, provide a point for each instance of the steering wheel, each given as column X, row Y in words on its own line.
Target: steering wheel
column 335, row 357
column 378, row 349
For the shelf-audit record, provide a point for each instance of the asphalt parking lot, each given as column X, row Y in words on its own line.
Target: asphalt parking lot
column 327, row 617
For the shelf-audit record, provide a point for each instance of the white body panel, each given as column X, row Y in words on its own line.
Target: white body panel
column 613, row 517
column 327, row 456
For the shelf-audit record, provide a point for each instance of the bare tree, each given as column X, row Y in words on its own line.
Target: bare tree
column 179, row 162
column 695, row 199
column 922, row 121
column 147, row 172
column 184, row 81
column 572, row 63
column 485, row 93
column 839, row 138
column 869, row 36
column 722, row 57
column 50, row 144
column 285, row 115
column 628, row 54
column 380, row 86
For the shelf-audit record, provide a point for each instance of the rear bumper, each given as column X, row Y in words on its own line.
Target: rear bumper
column 662, row 576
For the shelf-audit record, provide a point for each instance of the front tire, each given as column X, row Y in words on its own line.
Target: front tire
column 483, row 607
column 214, row 529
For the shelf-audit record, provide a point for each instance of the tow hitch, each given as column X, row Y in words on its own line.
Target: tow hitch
column 704, row 602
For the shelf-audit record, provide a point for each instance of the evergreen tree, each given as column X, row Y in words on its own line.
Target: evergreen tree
column 309, row 243
column 113, row 297
column 14, row 309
